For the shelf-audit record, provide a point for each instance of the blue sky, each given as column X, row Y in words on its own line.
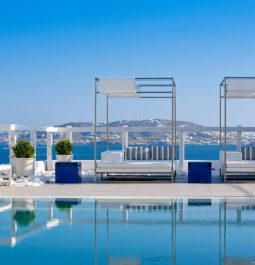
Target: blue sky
column 51, row 51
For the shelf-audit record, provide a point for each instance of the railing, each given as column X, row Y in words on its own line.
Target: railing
column 13, row 131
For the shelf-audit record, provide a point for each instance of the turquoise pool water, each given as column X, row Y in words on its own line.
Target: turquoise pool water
column 76, row 231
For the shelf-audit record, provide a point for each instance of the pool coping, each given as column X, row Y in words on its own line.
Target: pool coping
column 131, row 191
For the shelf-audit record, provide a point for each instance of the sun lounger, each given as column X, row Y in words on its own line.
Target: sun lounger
column 239, row 163
column 142, row 161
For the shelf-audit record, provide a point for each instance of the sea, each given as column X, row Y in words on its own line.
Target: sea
column 86, row 152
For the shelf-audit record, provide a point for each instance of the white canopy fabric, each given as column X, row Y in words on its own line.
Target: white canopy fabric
column 240, row 87
column 119, row 88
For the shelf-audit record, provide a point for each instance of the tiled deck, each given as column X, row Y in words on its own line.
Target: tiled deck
column 131, row 190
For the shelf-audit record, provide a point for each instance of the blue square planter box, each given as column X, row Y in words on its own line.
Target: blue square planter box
column 200, row 172
column 68, row 172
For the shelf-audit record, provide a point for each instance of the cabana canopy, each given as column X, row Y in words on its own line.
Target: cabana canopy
column 239, row 87
column 233, row 88
column 138, row 88
column 118, row 88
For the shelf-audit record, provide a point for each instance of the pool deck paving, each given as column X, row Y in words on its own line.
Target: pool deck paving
column 132, row 190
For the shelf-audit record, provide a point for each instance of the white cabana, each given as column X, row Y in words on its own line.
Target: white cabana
column 138, row 88
column 234, row 88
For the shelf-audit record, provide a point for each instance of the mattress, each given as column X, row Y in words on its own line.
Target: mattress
column 134, row 167
column 242, row 166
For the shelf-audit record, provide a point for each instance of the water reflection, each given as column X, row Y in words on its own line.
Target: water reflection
column 23, row 212
column 131, row 233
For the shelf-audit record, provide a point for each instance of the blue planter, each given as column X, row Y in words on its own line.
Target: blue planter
column 200, row 172
column 68, row 172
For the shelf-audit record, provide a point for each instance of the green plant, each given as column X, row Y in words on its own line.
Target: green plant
column 64, row 147
column 23, row 149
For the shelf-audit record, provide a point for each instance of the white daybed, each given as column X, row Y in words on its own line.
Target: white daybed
column 241, row 167
column 237, row 164
column 244, row 164
column 138, row 88
column 133, row 167
column 138, row 162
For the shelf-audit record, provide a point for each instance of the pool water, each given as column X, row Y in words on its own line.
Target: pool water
column 78, row 231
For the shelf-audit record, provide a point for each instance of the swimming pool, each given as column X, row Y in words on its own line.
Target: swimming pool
column 78, row 231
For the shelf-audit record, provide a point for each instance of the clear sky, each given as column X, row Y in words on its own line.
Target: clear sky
column 51, row 51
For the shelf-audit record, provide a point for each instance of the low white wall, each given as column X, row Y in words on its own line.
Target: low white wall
column 88, row 165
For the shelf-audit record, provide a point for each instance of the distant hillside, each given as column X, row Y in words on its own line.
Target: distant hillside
column 133, row 123
column 134, row 137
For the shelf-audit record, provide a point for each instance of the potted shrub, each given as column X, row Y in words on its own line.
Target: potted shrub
column 64, row 150
column 24, row 158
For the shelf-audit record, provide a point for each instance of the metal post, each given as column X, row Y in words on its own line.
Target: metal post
column 220, row 118
column 95, row 132
column 49, row 150
column 172, row 162
column 225, row 132
column 174, row 125
column 174, row 120
column 107, row 122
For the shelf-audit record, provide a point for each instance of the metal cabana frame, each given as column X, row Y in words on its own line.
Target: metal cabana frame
column 145, row 88
column 232, row 87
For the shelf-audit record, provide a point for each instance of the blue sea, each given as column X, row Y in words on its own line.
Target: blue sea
column 86, row 152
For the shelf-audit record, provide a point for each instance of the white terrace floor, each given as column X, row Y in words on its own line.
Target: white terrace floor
column 133, row 190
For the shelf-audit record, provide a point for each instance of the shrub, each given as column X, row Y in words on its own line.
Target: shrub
column 64, row 147
column 23, row 149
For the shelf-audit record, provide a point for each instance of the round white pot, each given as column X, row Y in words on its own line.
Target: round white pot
column 24, row 166
column 64, row 158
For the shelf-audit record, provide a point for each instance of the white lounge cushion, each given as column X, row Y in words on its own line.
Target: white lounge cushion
column 231, row 156
column 134, row 167
column 112, row 156
column 243, row 166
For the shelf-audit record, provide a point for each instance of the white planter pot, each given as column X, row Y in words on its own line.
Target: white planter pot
column 24, row 166
column 64, row 158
